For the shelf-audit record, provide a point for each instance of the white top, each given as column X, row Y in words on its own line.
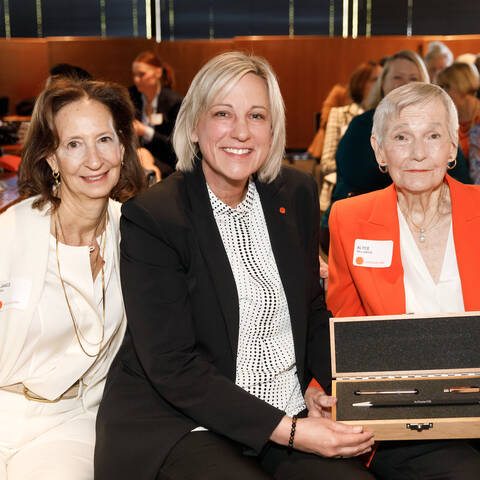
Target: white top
column 149, row 130
column 422, row 294
column 51, row 338
column 266, row 364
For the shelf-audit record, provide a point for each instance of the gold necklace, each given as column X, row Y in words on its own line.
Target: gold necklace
column 76, row 328
column 423, row 230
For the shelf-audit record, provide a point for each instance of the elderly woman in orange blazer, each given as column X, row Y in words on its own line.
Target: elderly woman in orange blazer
column 409, row 248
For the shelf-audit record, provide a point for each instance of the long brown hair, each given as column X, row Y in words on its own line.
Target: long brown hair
column 35, row 174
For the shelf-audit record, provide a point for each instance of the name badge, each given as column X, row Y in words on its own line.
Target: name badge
column 372, row 253
column 14, row 294
column 156, row 119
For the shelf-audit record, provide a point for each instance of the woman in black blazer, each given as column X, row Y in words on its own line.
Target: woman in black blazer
column 226, row 320
column 156, row 108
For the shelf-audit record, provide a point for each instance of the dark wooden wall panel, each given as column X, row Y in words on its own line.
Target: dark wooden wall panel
column 187, row 57
column 23, row 67
column 307, row 66
column 106, row 59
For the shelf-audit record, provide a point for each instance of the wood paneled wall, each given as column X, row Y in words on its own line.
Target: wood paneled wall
column 307, row 66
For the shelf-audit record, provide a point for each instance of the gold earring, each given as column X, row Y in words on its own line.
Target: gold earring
column 383, row 168
column 452, row 164
column 56, row 177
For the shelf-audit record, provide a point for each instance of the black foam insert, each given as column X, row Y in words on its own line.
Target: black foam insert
column 429, row 389
column 407, row 344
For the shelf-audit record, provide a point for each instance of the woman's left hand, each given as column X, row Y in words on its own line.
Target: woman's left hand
column 319, row 404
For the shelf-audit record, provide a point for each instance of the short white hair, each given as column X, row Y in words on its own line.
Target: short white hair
column 415, row 93
column 221, row 74
column 438, row 49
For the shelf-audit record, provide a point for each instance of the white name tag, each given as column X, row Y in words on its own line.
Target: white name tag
column 14, row 294
column 156, row 119
column 372, row 253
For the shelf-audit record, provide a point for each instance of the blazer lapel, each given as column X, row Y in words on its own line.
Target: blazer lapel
column 213, row 252
column 388, row 291
column 466, row 228
column 286, row 247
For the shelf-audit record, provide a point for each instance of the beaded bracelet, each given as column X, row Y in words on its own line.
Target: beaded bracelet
column 292, row 433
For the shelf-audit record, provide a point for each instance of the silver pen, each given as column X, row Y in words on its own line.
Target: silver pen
column 386, row 392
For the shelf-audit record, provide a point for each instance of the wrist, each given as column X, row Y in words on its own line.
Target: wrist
column 281, row 434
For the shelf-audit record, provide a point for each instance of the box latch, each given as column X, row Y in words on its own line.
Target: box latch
column 419, row 427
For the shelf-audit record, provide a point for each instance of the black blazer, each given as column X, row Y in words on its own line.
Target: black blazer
column 176, row 368
column 168, row 104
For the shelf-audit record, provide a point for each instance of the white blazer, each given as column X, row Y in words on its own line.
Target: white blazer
column 24, row 243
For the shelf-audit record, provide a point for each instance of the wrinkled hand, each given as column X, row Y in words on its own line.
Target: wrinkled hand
column 319, row 404
column 323, row 272
column 139, row 128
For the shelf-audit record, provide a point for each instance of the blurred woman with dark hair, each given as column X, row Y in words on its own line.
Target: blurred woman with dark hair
column 156, row 106
column 61, row 311
column 359, row 85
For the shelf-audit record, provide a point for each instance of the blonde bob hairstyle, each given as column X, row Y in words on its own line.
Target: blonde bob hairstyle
column 413, row 94
column 376, row 93
column 462, row 77
column 218, row 77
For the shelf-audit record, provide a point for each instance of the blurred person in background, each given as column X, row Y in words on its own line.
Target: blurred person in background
column 438, row 57
column 359, row 85
column 461, row 81
column 157, row 106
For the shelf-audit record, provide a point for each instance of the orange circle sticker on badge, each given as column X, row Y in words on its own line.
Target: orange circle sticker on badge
column 1, row 304
column 359, row 260
column 282, row 210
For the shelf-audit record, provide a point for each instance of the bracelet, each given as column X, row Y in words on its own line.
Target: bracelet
column 292, row 433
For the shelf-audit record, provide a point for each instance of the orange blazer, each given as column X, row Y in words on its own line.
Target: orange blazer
column 355, row 290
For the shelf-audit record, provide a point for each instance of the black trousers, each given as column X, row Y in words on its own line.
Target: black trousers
column 208, row 456
column 426, row 460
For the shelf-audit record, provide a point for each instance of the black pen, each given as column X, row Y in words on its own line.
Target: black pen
column 418, row 403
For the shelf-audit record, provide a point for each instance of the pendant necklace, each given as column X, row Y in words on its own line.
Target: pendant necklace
column 422, row 230
column 78, row 333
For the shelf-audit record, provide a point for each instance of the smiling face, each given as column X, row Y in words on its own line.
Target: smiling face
column 89, row 153
column 417, row 147
column 401, row 72
column 234, row 134
column 146, row 77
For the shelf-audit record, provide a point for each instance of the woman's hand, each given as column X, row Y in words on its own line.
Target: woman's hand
column 324, row 437
column 139, row 128
column 148, row 162
column 319, row 404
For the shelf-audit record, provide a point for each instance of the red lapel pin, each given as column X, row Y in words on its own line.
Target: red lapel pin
column 282, row 210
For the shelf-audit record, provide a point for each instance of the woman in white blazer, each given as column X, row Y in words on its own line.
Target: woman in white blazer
column 61, row 312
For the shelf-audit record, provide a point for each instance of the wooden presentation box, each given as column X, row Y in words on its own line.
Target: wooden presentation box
column 407, row 353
